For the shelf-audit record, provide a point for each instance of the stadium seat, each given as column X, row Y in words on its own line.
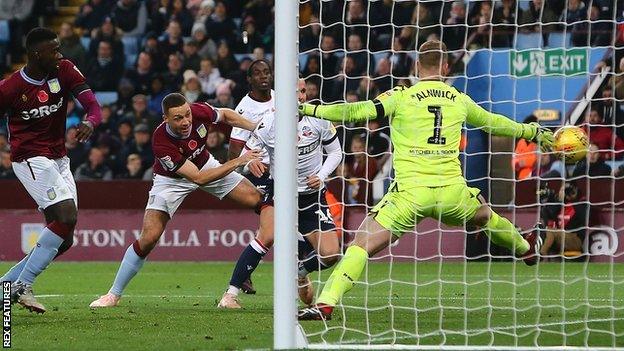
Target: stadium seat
column 131, row 45
column 106, row 97
column 529, row 41
column 559, row 40
column 130, row 60
column 4, row 31
column 86, row 42
column 303, row 58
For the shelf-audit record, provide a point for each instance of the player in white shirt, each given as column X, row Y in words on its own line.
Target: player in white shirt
column 317, row 232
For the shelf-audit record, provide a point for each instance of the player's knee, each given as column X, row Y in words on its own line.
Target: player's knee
column 482, row 217
column 69, row 217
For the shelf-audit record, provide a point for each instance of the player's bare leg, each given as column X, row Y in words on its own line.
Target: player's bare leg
column 246, row 194
column 154, row 223
column 61, row 219
column 326, row 253
column 503, row 233
column 370, row 238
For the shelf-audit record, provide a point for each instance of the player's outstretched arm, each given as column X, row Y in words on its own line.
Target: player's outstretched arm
column 232, row 118
column 343, row 112
column 500, row 125
column 201, row 177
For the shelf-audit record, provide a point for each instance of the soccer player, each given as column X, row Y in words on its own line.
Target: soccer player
column 318, row 232
column 426, row 121
column 257, row 103
column 36, row 98
column 182, row 165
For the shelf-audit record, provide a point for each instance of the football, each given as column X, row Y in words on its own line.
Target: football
column 571, row 144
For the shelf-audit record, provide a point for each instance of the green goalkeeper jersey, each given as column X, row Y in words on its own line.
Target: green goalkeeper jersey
column 426, row 128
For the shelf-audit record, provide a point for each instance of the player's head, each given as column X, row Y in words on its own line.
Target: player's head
column 259, row 75
column 432, row 59
column 302, row 95
column 42, row 47
column 177, row 114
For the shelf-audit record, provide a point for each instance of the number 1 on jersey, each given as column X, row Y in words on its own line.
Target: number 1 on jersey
column 437, row 126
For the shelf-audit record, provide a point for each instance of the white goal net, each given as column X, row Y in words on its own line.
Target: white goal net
column 554, row 62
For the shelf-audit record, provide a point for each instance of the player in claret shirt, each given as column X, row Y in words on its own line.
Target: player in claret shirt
column 35, row 99
column 182, row 165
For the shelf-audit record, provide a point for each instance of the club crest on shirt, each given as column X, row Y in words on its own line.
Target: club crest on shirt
column 192, row 144
column 54, row 85
column 42, row 96
column 201, row 130
column 306, row 131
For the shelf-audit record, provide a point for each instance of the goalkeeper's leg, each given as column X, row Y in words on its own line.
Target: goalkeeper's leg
column 154, row 223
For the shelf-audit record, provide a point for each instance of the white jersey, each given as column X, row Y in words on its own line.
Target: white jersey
column 253, row 111
column 312, row 135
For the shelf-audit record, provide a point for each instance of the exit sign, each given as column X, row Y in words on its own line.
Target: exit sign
column 548, row 62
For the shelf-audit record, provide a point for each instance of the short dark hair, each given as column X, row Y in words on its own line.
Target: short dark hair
column 38, row 35
column 253, row 63
column 172, row 100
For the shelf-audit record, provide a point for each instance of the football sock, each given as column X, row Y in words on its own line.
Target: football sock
column 41, row 256
column 247, row 263
column 15, row 271
column 131, row 264
column 344, row 276
column 309, row 264
column 503, row 233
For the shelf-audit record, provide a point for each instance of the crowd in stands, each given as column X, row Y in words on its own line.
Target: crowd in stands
column 142, row 50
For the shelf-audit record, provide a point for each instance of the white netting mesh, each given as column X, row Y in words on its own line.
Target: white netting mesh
column 449, row 287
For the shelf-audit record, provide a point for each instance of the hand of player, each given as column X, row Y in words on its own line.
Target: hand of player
column 314, row 182
column 307, row 110
column 85, row 129
column 257, row 168
column 250, row 156
column 544, row 137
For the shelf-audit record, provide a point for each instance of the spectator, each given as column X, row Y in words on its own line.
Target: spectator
column 400, row 61
column 597, row 166
column 422, row 25
column 124, row 134
column 548, row 167
column 205, row 10
column 505, row 17
column 6, row 167
column 619, row 172
column 131, row 17
column 609, row 144
column 191, row 58
column 125, row 92
column 329, row 68
column 192, row 88
column 141, row 75
column 92, row 14
column 173, row 77
column 312, row 91
column 219, row 25
column 209, row 77
column 566, row 216
column 259, row 10
column 224, row 97
column 379, row 144
column 309, row 34
column 364, row 61
column 172, row 41
column 4, row 140
column 239, row 77
column 206, row 46
column 355, row 19
column 361, row 171
column 177, row 10
column 152, row 47
column 616, row 82
column 134, row 168
column 593, row 32
column 72, row 115
column 109, row 33
column 312, row 69
column 216, row 147
column 382, row 17
column 95, row 168
column 258, row 53
column 454, row 31
column 141, row 115
column 103, row 72
column 157, row 93
column 249, row 38
column 382, row 77
column 76, row 151
column 71, row 47
column 574, row 14
column 367, row 89
column 226, row 63
column 107, row 126
column 141, row 145
column 524, row 159
column 534, row 18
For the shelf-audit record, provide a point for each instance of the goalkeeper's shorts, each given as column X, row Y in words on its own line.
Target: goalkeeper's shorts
column 401, row 209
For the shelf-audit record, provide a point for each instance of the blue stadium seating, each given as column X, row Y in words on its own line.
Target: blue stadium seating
column 4, row 32
column 85, row 41
column 106, row 97
column 559, row 40
column 131, row 45
column 529, row 41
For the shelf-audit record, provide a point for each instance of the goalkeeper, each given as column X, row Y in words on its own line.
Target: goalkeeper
column 426, row 124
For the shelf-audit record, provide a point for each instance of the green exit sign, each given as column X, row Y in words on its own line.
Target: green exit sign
column 548, row 62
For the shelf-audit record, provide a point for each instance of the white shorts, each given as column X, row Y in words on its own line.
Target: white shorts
column 47, row 181
column 168, row 193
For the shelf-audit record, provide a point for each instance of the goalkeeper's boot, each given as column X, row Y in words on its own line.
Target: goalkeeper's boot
column 247, row 287
column 535, row 244
column 305, row 290
column 23, row 294
column 229, row 301
column 318, row 312
column 108, row 300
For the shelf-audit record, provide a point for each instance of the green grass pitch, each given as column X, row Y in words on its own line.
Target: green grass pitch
column 172, row 306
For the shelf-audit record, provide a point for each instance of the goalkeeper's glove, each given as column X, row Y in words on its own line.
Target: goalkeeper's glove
column 542, row 136
column 307, row 110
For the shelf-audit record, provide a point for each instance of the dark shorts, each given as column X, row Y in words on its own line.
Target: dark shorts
column 265, row 185
column 314, row 213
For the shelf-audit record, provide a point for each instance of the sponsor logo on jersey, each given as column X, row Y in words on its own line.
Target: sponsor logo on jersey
column 201, row 130
column 309, row 148
column 30, row 235
column 192, row 144
column 42, row 96
column 197, row 152
column 42, row 111
column 167, row 163
column 54, row 86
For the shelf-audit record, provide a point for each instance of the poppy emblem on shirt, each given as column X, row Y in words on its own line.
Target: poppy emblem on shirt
column 42, row 96
column 192, row 144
